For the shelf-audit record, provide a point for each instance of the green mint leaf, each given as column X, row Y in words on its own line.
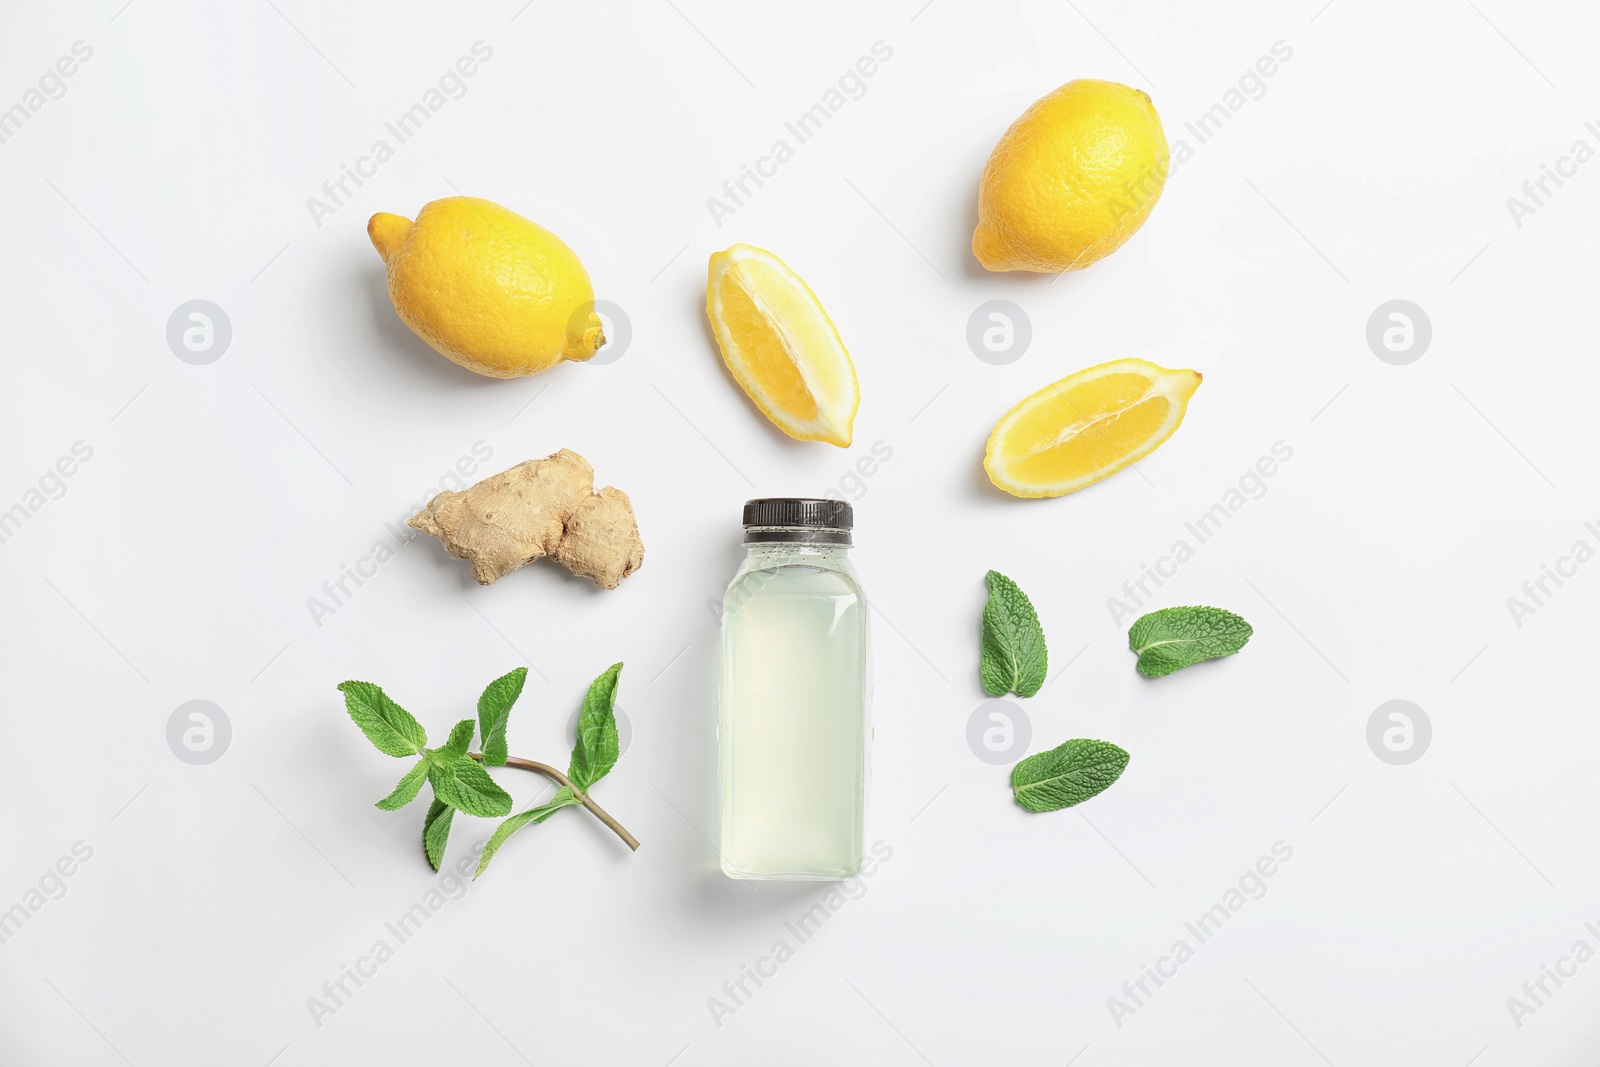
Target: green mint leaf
column 1014, row 657
column 456, row 747
column 1068, row 774
column 595, row 751
column 494, row 709
column 387, row 725
column 466, row 786
column 563, row 798
column 407, row 790
column 436, row 831
column 1171, row 638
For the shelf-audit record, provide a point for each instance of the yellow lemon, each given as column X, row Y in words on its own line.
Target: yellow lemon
column 1071, row 180
column 1087, row 426
column 780, row 346
column 487, row 288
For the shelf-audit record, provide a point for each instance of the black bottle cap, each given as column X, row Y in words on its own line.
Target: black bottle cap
column 798, row 519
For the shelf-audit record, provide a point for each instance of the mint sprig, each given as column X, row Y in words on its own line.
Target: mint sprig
column 1013, row 657
column 458, row 776
column 1173, row 638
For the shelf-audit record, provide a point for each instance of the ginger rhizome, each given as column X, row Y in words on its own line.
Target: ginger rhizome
column 543, row 507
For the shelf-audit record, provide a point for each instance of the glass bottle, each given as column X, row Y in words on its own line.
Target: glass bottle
column 795, row 697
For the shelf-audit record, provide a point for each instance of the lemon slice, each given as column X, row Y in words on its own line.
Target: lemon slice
column 780, row 346
column 1087, row 426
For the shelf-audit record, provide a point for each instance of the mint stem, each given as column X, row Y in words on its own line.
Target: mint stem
column 583, row 798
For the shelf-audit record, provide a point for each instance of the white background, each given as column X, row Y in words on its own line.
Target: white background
column 179, row 562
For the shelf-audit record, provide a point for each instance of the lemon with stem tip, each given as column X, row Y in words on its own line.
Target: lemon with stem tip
column 1071, row 180
column 487, row 288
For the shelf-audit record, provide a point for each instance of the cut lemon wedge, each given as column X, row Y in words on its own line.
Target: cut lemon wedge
column 1087, row 426
column 780, row 346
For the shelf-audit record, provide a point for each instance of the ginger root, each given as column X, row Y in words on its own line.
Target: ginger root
column 543, row 507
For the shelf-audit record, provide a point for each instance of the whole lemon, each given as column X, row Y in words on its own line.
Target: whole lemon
column 1071, row 180
column 487, row 288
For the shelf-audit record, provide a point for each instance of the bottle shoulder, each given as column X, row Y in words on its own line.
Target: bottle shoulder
column 779, row 573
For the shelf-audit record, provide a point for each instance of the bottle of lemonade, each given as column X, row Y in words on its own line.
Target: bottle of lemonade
column 795, row 692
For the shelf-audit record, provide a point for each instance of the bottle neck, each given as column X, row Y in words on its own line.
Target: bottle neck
column 795, row 538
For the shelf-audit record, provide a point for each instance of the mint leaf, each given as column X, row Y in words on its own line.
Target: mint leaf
column 436, row 831
column 466, row 786
column 407, row 790
column 1171, row 638
column 1068, row 774
column 494, row 709
column 595, row 751
column 456, row 747
column 1014, row 657
column 387, row 725
column 562, row 799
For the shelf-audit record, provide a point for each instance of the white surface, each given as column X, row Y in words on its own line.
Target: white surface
column 219, row 498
